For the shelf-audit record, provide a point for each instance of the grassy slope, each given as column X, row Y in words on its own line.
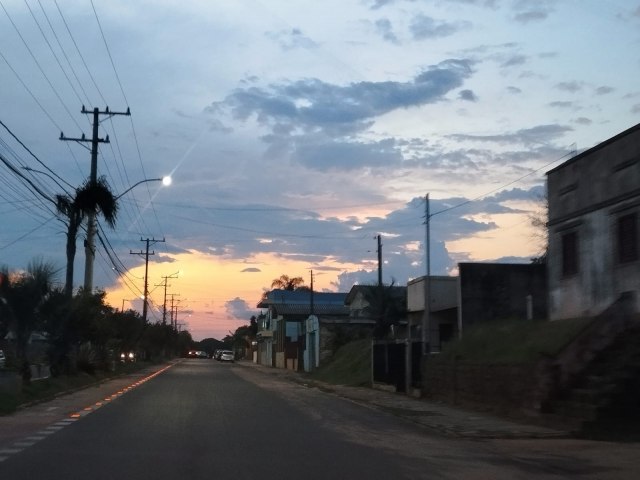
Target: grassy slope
column 512, row 342
column 350, row 365
column 503, row 342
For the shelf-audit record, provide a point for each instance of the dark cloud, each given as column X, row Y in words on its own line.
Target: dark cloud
column 292, row 39
column 561, row 104
column 514, row 61
column 542, row 134
column 571, row 87
column 314, row 104
column 347, row 155
column 528, row 12
column 426, row 28
column 376, row 4
column 239, row 309
column 251, row 270
column 604, row 90
column 468, row 95
column 635, row 108
column 583, row 121
column 385, row 29
column 514, row 90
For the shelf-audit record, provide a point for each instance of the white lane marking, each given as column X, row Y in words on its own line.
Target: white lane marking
column 10, row 451
column 24, row 444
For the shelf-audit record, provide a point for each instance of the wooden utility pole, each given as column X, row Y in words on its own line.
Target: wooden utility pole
column 146, row 253
column 89, row 247
column 379, row 237
column 166, row 284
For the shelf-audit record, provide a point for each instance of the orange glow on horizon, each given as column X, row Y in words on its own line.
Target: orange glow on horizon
column 207, row 282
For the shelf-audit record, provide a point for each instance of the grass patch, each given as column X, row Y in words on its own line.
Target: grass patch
column 45, row 389
column 350, row 365
column 512, row 342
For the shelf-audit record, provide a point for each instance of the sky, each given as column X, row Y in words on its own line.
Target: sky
column 297, row 132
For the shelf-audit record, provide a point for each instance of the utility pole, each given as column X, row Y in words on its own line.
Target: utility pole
column 89, row 247
column 146, row 253
column 426, row 316
column 165, row 284
column 174, row 320
column 379, row 261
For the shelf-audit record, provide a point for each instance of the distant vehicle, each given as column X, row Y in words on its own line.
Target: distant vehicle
column 128, row 357
column 3, row 359
column 197, row 354
column 227, row 356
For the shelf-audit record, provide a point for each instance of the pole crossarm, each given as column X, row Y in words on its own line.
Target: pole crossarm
column 93, row 178
column 146, row 253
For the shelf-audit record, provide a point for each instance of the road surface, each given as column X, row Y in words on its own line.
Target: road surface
column 201, row 419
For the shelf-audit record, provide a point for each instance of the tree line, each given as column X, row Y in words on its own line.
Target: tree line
column 81, row 331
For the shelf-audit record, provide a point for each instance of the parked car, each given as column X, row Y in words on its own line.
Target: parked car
column 227, row 356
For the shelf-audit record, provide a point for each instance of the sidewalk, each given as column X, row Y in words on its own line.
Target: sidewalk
column 444, row 419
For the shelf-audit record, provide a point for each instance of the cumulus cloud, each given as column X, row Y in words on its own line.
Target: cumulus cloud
column 468, row 95
column 583, row 121
column 385, row 29
column 571, row 87
column 426, row 28
column 292, row 39
column 542, row 134
column 314, row 104
column 604, row 90
column 347, row 155
column 528, row 12
column 239, row 309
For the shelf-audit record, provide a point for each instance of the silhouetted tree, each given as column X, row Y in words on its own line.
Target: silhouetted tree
column 23, row 295
column 385, row 306
column 284, row 282
column 538, row 220
column 90, row 197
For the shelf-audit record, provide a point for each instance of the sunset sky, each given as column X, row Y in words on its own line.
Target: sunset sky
column 295, row 132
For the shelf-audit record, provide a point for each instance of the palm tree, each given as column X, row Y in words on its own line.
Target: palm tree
column 90, row 197
column 284, row 282
column 386, row 305
column 22, row 296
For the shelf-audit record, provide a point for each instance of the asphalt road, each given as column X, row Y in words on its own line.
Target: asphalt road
column 201, row 419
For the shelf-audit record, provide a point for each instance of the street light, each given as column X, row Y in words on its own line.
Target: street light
column 166, row 181
column 91, row 232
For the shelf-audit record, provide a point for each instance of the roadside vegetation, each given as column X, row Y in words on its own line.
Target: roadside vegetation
column 350, row 365
column 74, row 340
column 511, row 341
column 508, row 342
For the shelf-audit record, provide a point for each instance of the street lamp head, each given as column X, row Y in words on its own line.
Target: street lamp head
column 166, row 181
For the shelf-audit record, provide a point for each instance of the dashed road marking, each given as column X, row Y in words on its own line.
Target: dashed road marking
column 31, row 440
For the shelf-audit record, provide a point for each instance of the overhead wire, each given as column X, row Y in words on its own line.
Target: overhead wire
column 46, row 77
column 135, row 136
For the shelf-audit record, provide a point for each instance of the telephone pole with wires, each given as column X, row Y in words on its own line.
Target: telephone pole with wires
column 146, row 253
column 165, row 284
column 89, row 247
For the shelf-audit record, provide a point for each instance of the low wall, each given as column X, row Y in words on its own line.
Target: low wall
column 505, row 389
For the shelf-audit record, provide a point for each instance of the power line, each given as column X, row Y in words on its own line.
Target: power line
column 39, row 66
column 503, row 186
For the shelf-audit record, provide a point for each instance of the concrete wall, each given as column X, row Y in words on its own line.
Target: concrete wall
column 443, row 293
column 494, row 291
column 587, row 195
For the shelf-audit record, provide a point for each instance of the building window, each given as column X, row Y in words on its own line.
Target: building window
column 569, row 254
column 628, row 238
